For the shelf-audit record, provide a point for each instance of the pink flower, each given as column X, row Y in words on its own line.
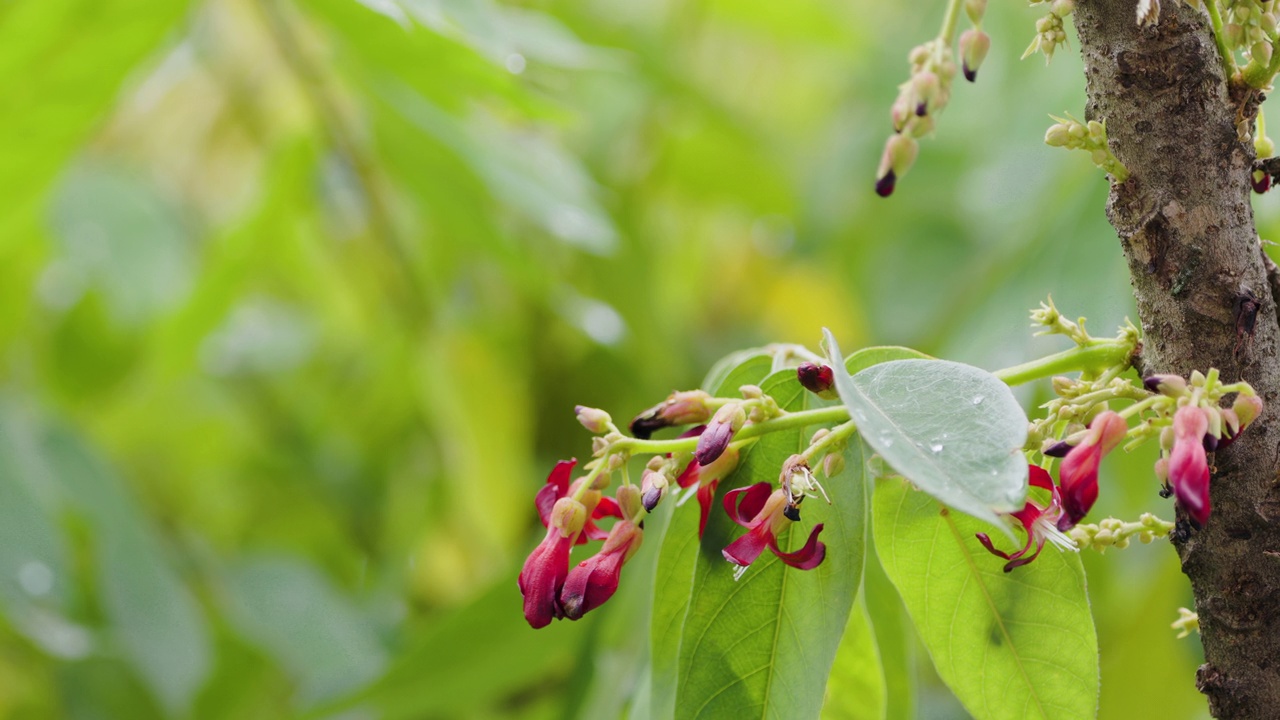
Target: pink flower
column 595, row 579
column 1040, row 523
column 764, row 514
column 1188, row 463
column 546, row 568
column 1078, row 476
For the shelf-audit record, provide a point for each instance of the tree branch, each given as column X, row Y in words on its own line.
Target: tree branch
column 1186, row 225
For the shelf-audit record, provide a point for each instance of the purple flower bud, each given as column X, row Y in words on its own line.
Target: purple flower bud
column 1169, row 385
column 713, row 441
column 680, row 408
column 1056, row 449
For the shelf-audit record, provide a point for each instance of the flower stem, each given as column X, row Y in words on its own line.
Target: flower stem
column 837, row 435
column 1096, row 356
column 788, row 421
column 1219, row 38
column 948, row 32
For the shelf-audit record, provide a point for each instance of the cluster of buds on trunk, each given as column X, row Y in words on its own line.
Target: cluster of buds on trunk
column 1090, row 137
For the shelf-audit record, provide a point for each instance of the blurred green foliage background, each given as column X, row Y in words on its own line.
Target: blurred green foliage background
column 298, row 298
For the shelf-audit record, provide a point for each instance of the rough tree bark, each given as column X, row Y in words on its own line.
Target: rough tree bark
column 1186, row 225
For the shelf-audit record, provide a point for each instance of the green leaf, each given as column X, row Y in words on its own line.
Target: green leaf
column 1009, row 645
column 315, row 632
column 763, row 645
column 673, row 579
column 755, row 364
column 952, row 429
column 153, row 616
column 895, row 638
column 61, row 67
column 856, row 688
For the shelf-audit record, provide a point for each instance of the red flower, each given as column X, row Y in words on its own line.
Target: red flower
column 1078, row 476
column 1040, row 523
column 764, row 514
column 544, row 572
column 1188, row 464
column 595, row 580
column 707, row 478
column 558, row 487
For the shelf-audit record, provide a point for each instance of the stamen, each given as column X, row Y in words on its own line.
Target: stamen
column 739, row 572
column 1048, row 530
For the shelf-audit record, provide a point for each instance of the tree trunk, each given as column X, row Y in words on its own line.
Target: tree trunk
column 1186, row 225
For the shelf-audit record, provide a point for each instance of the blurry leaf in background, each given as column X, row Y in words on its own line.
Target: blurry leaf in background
column 119, row 236
column 61, row 66
column 323, row 640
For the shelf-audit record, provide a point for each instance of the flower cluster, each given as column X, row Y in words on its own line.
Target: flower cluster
column 1071, row 499
column 928, row 89
column 1199, row 426
column 1050, row 32
column 1080, row 428
column 1249, row 26
column 695, row 463
column 569, row 513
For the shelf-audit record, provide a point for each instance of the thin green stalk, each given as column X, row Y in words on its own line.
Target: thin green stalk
column 1101, row 354
column 803, row 418
column 1219, row 38
column 837, row 435
column 948, row 32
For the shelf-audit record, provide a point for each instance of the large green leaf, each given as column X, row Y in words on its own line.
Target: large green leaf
column 895, row 638
column 61, row 65
column 954, row 430
column 856, row 688
column 764, row 644
column 677, row 558
column 1012, row 645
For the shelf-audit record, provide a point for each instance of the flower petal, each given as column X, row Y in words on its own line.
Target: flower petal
column 706, row 495
column 690, row 475
column 753, row 499
column 747, row 548
column 1039, row 477
column 543, row 576
column 806, row 558
column 557, row 487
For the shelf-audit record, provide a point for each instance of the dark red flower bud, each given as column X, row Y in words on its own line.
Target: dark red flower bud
column 680, row 408
column 885, row 184
column 1057, row 449
column 1260, row 180
column 817, row 379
